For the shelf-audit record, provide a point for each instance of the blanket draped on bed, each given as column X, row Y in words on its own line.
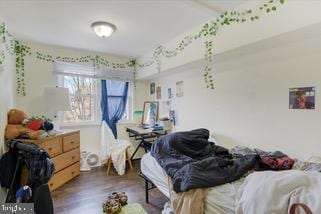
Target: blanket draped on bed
column 194, row 162
column 190, row 202
column 276, row 192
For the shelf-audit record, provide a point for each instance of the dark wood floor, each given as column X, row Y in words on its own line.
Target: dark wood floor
column 86, row 193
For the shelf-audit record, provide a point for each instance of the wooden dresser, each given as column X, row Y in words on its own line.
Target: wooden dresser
column 64, row 149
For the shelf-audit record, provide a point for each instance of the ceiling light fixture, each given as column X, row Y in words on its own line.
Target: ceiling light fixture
column 103, row 29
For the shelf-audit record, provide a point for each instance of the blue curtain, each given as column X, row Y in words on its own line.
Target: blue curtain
column 113, row 102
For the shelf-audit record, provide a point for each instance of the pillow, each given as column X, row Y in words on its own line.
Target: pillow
column 307, row 166
column 213, row 139
column 314, row 159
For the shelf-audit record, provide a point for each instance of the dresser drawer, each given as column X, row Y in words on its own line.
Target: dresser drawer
column 66, row 159
column 64, row 175
column 53, row 146
column 71, row 142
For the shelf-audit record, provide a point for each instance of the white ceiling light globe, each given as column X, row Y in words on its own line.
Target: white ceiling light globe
column 103, row 29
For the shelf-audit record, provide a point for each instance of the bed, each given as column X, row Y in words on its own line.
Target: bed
column 242, row 194
column 220, row 199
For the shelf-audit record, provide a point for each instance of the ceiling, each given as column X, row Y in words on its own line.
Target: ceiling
column 141, row 24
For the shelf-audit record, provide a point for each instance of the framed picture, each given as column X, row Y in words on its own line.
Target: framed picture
column 302, row 98
column 152, row 88
column 158, row 92
column 172, row 116
column 180, row 89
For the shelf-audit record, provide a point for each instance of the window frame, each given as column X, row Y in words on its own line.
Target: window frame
column 97, row 109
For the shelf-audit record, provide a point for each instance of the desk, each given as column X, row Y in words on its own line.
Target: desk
column 144, row 135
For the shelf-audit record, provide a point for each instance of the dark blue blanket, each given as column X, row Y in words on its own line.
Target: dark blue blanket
column 194, row 162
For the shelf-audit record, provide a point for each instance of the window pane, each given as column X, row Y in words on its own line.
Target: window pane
column 81, row 97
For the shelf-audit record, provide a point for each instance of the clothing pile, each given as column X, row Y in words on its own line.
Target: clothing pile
column 40, row 170
column 267, row 160
column 192, row 161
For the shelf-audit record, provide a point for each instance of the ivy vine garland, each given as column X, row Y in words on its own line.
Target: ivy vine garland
column 208, row 31
column 2, row 40
column 20, row 51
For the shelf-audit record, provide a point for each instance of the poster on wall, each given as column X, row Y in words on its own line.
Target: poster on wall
column 152, row 88
column 170, row 94
column 159, row 92
column 179, row 89
column 302, row 98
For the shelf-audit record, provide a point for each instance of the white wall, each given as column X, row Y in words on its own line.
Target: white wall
column 39, row 74
column 250, row 103
column 293, row 15
column 7, row 94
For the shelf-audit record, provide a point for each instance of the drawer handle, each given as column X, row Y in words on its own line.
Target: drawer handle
column 73, row 157
column 50, row 149
column 72, row 142
column 72, row 172
column 51, row 184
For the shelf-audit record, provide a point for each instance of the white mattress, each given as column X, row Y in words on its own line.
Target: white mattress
column 220, row 199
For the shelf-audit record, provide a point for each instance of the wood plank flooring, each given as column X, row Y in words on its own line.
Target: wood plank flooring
column 86, row 193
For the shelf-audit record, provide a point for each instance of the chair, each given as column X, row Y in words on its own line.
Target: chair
column 115, row 151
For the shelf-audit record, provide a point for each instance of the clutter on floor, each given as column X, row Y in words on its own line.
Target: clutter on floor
column 116, row 203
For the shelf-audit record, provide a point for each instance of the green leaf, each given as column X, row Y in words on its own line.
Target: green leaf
column 282, row 1
column 274, row 8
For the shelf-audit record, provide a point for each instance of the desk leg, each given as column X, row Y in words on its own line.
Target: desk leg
column 145, row 147
column 146, row 192
column 139, row 145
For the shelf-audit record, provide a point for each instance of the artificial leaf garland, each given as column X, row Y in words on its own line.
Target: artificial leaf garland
column 208, row 30
column 20, row 51
column 2, row 40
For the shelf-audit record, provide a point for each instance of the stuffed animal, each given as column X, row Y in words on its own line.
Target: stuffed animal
column 16, row 116
column 14, row 129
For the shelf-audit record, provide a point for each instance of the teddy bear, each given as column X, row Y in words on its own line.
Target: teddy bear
column 15, row 128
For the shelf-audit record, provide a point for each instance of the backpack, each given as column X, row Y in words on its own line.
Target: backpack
column 41, row 169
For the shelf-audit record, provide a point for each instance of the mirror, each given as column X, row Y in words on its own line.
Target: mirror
column 150, row 113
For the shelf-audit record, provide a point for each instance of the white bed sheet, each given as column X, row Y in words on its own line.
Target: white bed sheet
column 219, row 200
column 150, row 168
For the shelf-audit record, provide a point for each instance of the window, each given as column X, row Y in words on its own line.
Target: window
column 83, row 99
column 85, row 94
